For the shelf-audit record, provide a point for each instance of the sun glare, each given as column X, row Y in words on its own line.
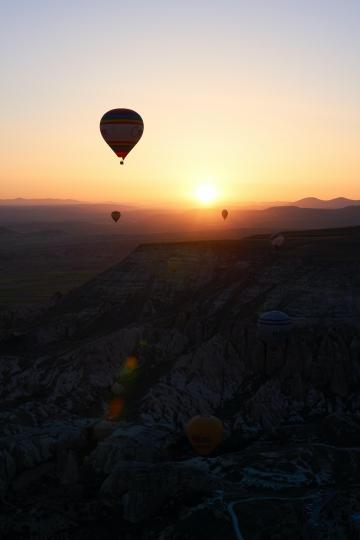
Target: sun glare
column 206, row 193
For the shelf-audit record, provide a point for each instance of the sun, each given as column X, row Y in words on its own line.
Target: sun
column 206, row 193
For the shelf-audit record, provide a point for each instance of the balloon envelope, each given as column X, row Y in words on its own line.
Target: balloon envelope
column 274, row 326
column 277, row 240
column 224, row 213
column 116, row 215
column 205, row 433
column 121, row 130
column 174, row 263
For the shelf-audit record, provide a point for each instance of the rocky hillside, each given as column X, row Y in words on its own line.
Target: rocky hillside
column 96, row 390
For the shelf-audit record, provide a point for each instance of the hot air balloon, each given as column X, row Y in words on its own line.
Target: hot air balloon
column 116, row 215
column 117, row 389
column 277, row 240
column 205, row 433
column 274, row 327
column 121, row 130
column 174, row 263
column 224, row 214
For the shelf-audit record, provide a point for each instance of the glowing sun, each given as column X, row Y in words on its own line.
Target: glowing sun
column 206, row 193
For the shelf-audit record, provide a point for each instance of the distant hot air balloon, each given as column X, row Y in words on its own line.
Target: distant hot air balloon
column 274, row 327
column 224, row 214
column 205, row 433
column 121, row 130
column 117, row 389
column 277, row 240
column 174, row 263
column 116, row 215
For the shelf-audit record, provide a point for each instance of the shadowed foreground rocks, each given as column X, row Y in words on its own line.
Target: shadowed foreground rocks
column 289, row 465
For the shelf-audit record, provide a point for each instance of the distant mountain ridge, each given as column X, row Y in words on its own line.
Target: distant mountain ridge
column 95, row 217
column 314, row 202
column 20, row 201
column 306, row 202
column 6, row 231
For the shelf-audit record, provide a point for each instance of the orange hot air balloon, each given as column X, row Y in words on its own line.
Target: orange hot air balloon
column 224, row 214
column 205, row 433
column 121, row 129
column 116, row 215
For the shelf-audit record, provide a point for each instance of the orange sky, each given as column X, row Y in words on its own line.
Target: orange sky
column 261, row 101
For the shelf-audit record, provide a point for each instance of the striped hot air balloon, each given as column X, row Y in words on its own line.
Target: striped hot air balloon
column 121, row 130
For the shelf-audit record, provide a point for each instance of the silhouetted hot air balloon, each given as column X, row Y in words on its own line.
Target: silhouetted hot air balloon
column 274, row 327
column 121, row 129
column 116, row 215
column 224, row 213
column 277, row 240
column 205, row 433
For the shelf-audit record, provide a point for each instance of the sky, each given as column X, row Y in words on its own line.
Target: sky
column 258, row 98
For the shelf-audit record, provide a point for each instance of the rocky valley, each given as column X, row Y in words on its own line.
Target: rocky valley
column 97, row 386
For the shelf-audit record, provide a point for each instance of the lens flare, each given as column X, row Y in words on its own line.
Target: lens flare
column 131, row 363
column 115, row 408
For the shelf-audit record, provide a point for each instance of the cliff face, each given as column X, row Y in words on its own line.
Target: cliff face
column 291, row 413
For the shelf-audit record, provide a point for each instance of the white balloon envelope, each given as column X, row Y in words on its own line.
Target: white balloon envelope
column 277, row 240
column 274, row 327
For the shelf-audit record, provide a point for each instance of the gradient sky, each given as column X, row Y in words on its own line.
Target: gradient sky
column 262, row 98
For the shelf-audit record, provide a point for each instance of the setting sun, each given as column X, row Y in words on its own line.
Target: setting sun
column 206, row 193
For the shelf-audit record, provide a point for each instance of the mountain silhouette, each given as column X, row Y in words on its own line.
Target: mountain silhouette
column 338, row 202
